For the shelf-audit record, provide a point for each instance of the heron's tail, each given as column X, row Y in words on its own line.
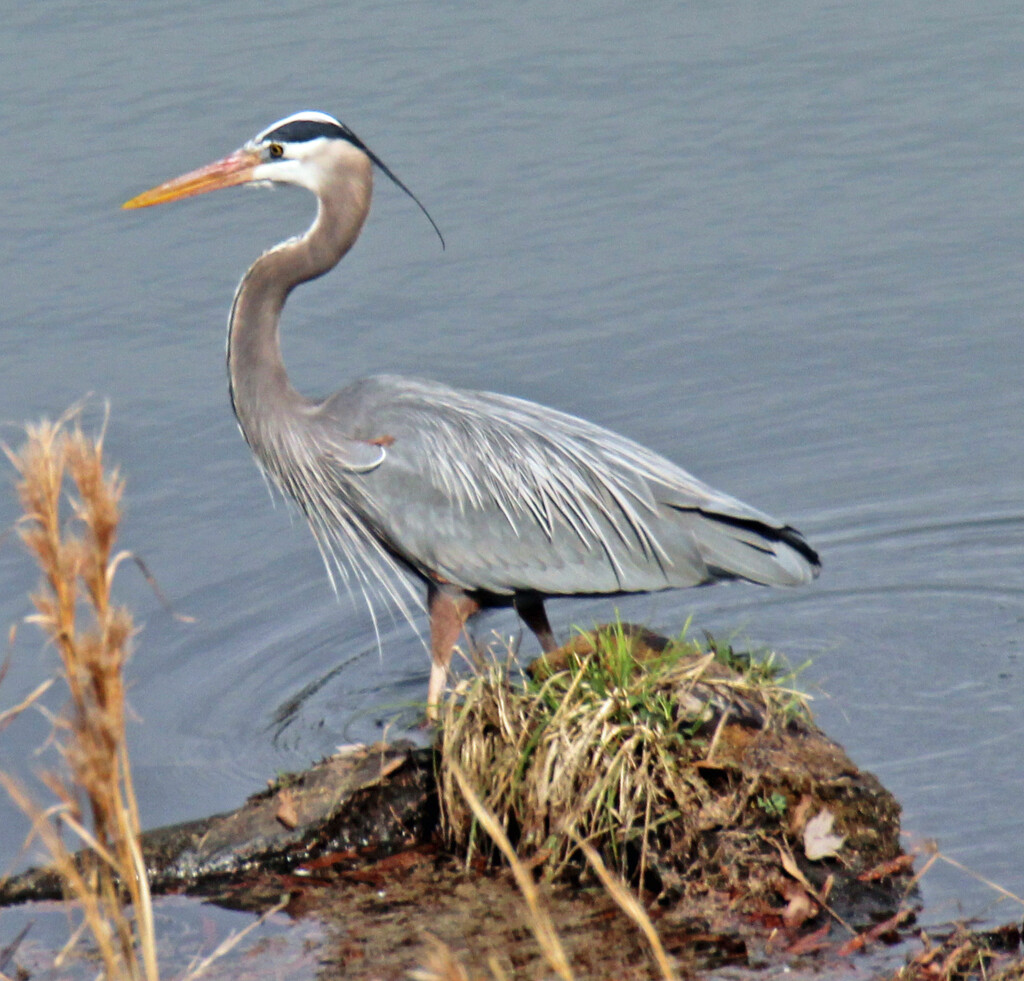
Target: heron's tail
column 736, row 547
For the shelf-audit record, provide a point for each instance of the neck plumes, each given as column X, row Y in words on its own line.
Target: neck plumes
column 261, row 394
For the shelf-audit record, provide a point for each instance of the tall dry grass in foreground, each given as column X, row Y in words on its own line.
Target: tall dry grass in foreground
column 443, row 964
column 70, row 517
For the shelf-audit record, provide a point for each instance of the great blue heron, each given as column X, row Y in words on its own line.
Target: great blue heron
column 487, row 499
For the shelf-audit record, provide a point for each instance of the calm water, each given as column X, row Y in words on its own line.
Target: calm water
column 784, row 251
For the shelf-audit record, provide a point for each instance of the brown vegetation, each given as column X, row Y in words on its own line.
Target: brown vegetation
column 71, row 513
column 687, row 766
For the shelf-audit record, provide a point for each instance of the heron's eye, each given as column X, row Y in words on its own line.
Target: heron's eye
column 275, row 150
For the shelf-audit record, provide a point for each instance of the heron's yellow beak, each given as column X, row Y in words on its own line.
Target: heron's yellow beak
column 237, row 168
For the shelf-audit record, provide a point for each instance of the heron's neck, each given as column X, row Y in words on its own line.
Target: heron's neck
column 261, row 393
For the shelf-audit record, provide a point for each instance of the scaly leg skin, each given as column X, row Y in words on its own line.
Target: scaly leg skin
column 449, row 610
column 530, row 608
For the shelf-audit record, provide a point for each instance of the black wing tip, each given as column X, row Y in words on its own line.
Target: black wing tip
column 788, row 535
column 784, row 534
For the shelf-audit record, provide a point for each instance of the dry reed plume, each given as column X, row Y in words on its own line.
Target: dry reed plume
column 70, row 517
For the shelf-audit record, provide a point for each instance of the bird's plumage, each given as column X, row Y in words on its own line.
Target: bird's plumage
column 484, row 497
column 497, row 494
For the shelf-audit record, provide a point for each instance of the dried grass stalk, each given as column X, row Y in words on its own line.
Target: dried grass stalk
column 538, row 918
column 70, row 517
column 630, row 905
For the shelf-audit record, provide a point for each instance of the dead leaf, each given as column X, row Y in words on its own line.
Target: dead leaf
column 789, row 864
column 798, row 814
column 819, row 842
column 326, row 861
column 286, row 812
column 391, row 765
column 811, row 943
column 895, row 866
column 800, row 907
column 861, row 940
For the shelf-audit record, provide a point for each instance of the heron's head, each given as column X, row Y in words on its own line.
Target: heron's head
column 308, row 149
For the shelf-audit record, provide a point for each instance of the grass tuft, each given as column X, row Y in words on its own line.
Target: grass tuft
column 610, row 741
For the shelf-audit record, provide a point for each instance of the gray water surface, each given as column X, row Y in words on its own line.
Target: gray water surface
column 782, row 250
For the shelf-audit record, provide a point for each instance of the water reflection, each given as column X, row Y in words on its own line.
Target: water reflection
column 188, row 930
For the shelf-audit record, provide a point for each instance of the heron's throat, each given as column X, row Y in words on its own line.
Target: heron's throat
column 261, row 394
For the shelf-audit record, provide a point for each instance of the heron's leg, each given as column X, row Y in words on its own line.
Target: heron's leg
column 530, row 607
column 449, row 610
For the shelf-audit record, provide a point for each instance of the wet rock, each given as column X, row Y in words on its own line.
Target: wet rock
column 366, row 800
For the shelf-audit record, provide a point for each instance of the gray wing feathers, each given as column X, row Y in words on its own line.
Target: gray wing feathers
column 498, row 494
